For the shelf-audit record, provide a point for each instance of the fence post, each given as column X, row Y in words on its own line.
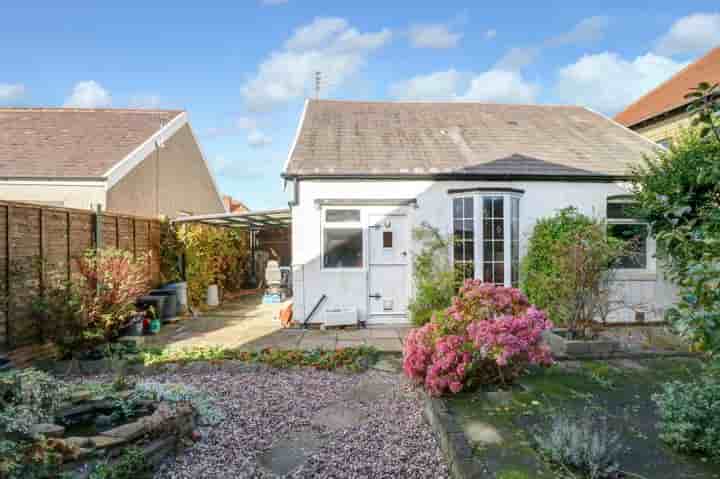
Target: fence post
column 8, row 273
column 98, row 242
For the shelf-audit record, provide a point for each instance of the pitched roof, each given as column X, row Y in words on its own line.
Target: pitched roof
column 396, row 138
column 671, row 94
column 71, row 142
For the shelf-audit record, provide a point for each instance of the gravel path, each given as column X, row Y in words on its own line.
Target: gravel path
column 352, row 426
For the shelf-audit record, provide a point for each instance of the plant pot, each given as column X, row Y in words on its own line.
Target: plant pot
column 561, row 345
column 213, row 297
column 154, row 326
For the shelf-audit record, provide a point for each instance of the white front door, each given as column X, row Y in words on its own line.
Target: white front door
column 387, row 272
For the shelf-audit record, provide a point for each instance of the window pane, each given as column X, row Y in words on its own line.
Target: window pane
column 620, row 210
column 468, row 210
column 498, row 229
column 342, row 216
column 499, row 273
column 387, row 239
column 458, row 208
column 343, row 248
column 487, row 207
column 487, row 250
column 636, row 237
column 498, row 208
column 488, row 273
column 499, row 251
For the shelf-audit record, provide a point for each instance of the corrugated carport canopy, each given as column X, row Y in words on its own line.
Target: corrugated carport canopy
column 255, row 220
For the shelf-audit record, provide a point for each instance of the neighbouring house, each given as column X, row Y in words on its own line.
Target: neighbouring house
column 141, row 162
column 364, row 175
column 663, row 112
column 234, row 206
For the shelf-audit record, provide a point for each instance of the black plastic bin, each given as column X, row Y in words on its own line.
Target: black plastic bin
column 143, row 303
column 169, row 309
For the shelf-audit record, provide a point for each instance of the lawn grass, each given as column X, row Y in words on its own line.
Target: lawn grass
column 619, row 391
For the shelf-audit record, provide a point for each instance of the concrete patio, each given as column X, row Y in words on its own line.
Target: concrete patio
column 248, row 324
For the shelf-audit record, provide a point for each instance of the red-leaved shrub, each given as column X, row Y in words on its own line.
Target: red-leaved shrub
column 489, row 335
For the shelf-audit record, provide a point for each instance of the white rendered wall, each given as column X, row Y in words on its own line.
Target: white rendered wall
column 541, row 199
column 80, row 194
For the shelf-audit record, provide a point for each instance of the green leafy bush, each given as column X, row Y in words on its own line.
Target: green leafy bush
column 690, row 416
column 434, row 279
column 583, row 444
column 568, row 267
column 213, row 255
column 678, row 193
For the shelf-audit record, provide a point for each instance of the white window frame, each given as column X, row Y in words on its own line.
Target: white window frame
column 649, row 245
column 479, row 250
column 324, row 225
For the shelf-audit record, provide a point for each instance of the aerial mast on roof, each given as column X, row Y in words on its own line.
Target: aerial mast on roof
column 318, row 83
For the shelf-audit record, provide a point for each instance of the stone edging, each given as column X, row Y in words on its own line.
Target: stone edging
column 453, row 443
column 626, row 355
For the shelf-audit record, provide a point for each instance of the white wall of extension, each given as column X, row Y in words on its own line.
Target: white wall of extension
column 641, row 289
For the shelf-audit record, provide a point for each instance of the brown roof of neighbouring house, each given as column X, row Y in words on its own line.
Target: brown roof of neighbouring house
column 338, row 138
column 671, row 94
column 72, row 142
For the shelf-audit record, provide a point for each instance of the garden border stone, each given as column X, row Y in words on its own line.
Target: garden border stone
column 453, row 442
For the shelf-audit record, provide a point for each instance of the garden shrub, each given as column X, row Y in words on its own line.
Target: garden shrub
column 678, row 194
column 110, row 282
column 582, row 443
column 568, row 268
column 489, row 335
column 433, row 276
column 690, row 416
column 213, row 255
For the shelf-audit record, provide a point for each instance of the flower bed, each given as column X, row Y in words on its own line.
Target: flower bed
column 489, row 335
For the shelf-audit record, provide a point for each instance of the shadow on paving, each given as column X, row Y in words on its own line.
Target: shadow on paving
column 502, row 426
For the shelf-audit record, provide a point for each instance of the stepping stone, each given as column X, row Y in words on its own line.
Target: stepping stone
column 368, row 389
column 482, row 433
column 288, row 454
column 342, row 415
column 47, row 430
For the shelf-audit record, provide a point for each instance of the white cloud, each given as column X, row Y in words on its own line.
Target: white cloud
column 328, row 45
column 499, row 86
column 492, row 86
column 11, row 92
column 258, row 139
column 435, row 35
column 144, row 101
column 691, row 34
column 89, row 94
column 492, row 33
column 517, row 58
column 435, row 86
column 608, row 82
column 587, row 30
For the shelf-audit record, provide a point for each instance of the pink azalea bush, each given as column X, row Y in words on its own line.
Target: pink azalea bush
column 489, row 335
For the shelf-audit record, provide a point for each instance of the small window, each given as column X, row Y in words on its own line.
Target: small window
column 343, row 248
column 463, row 238
column 624, row 225
column 387, row 239
column 342, row 216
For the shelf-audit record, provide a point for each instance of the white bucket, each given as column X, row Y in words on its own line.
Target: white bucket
column 213, row 298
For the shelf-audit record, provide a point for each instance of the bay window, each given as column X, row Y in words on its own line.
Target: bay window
column 486, row 237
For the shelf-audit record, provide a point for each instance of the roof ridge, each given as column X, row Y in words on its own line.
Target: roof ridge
column 62, row 109
column 442, row 102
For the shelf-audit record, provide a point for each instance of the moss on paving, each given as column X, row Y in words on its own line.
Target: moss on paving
column 613, row 389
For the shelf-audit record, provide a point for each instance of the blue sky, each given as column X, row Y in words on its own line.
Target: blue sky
column 242, row 68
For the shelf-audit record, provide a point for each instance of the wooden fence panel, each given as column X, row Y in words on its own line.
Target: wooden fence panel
column 39, row 247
